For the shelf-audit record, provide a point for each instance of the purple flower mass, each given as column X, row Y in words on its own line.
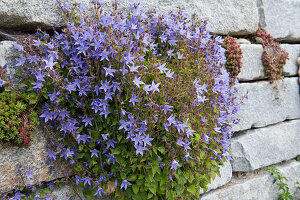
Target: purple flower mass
column 129, row 90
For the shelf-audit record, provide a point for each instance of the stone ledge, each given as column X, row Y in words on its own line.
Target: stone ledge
column 265, row 146
column 280, row 18
column 32, row 158
column 253, row 68
column 257, row 186
column 226, row 174
column 264, row 106
column 233, row 17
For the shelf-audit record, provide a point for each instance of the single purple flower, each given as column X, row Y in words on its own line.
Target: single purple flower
column 94, row 153
column 28, row 174
column 124, row 184
column 175, row 164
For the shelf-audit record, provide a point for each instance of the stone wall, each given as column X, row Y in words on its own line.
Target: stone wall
column 269, row 131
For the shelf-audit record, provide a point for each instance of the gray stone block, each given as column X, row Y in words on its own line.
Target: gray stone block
column 252, row 66
column 226, row 174
column 32, row 158
column 233, row 17
column 265, row 105
column 280, row 18
column 257, row 186
column 262, row 147
column 291, row 66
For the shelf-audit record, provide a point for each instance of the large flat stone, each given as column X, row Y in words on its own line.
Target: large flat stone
column 226, row 174
column 225, row 16
column 266, row 106
column 232, row 17
column 257, row 186
column 280, row 18
column 31, row 14
column 253, row 69
column 262, row 147
column 32, row 157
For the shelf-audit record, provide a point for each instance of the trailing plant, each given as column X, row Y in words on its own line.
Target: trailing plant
column 274, row 58
column 142, row 104
column 17, row 117
column 280, row 179
column 234, row 57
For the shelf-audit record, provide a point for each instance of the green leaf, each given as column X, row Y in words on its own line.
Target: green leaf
column 155, row 168
column 161, row 149
column 192, row 189
column 132, row 177
column 22, row 85
column 152, row 187
column 135, row 188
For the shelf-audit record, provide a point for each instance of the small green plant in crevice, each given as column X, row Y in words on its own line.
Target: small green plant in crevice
column 280, row 179
column 234, row 57
column 274, row 58
column 17, row 117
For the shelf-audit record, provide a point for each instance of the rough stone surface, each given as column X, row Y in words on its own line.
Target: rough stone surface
column 226, row 17
column 6, row 51
column 226, row 174
column 65, row 192
column 12, row 158
column 280, row 18
column 253, row 69
column 291, row 66
column 262, row 147
column 265, row 105
column 252, row 66
column 257, row 186
column 242, row 41
column 31, row 14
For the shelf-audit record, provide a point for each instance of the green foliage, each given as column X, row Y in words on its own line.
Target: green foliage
column 17, row 117
column 283, row 187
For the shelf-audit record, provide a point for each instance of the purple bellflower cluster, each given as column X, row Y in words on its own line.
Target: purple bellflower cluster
column 141, row 103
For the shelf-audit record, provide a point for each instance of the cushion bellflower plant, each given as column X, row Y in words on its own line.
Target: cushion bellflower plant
column 141, row 101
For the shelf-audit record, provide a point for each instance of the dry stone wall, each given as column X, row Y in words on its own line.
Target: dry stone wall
column 269, row 130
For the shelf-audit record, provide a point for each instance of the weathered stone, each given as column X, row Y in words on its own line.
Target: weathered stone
column 252, row 66
column 291, row 66
column 257, row 186
column 280, row 18
column 6, row 52
column 232, row 17
column 225, row 17
column 265, row 105
column 226, row 174
column 242, row 41
column 32, row 157
column 66, row 191
column 253, row 69
column 29, row 15
column 250, row 152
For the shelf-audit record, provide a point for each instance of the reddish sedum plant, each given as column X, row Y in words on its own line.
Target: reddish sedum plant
column 234, row 57
column 274, row 58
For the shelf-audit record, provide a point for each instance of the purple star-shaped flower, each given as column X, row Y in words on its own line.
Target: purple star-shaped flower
column 99, row 192
column 109, row 71
column 94, row 153
column 87, row 121
column 134, row 99
column 28, row 174
column 124, row 184
column 175, row 164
